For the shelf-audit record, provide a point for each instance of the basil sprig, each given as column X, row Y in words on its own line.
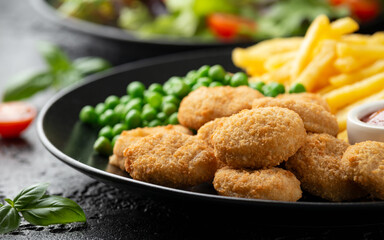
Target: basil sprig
column 60, row 72
column 39, row 209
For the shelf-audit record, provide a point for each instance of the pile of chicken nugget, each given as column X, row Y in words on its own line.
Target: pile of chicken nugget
column 251, row 146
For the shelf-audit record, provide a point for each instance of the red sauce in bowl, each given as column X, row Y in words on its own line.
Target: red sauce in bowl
column 375, row 118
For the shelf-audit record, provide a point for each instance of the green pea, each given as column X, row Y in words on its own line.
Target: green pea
column 133, row 119
column 136, row 89
column 149, row 114
column 135, row 103
column 191, row 74
column 257, row 86
column 145, row 123
column 154, row 123
column 227, row 79
column 168, row 85
column 173, row 119
column 273, row 89
column 118, row 128
column 171, row 99
column 169, row 108
column 178, row 88
column 114, row 139
column 154, row 99
column 106, row 131
column 88, row 115
column 109, row 117
column 125, row 99
column 215, row 84
column 203, row 71
column 100, row 108
column 190, row 81
column 198, row 85
column 103, row 146
column 161, row 116
column 239, row 79
column 297, row 88
column 217, row 73
column 156, row 87
column 112, row 101
column 120, row 110
column 205, row 81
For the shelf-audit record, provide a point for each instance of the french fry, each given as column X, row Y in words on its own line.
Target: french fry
column 346, row 95
column 343, row 136
column 344, row 79
column 277, row 61
column 342, row 114
column 377, row 38
column 280, row 75
column 312, row 73
column 355, row 38
column 343, row 26
column 349, row 64
column 317, row 30
column 360, row 51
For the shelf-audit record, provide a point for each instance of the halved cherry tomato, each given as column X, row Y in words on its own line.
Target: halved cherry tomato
column 15, row 117
column 228, row 26
column 363, row 10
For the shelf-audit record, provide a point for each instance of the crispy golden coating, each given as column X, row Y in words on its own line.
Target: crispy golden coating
column 258, row 138
column 128, row 137
column 365, row 164
column 206, row 131
column 318, row 167
column 206, row 104
column 307, row 97
column 316, row 119
column 171, row 159
column 273, row 184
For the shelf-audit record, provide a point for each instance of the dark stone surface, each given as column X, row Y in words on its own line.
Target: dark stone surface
column 113, row 213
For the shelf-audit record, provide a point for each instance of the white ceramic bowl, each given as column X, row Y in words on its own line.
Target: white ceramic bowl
column 359, row 131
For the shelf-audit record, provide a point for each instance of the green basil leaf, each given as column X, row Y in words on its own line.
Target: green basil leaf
column 26, row 85
column 56, row 59
column 53, row 210
column 29, row 195
column 66, row 78
column 90, row 65
column 9, row 201
column 9, row 219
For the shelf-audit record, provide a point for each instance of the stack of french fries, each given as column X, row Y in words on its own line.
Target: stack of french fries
column 347, row 69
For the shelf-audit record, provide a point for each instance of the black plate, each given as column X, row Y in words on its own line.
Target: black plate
column 46, row 9
column 70, row 141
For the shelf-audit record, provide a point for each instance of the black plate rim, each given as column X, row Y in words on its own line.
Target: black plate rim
column 97, row 173
column 47, row 11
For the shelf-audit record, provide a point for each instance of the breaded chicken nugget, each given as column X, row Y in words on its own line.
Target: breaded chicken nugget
column 258, row 138
column 128, row 137
column 205, row 133
column 273, row 184
column 364, row 162
column 171, row 159
column 206, row 104
column 307, row 97
column 316, row 119
column 318, row 167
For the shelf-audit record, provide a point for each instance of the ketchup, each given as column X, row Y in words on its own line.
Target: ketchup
column 375, row 118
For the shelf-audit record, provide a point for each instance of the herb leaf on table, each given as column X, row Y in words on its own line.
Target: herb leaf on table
column 39, row 209
column 61, row 72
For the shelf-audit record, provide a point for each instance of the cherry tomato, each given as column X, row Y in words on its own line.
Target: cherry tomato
column 15, row 117
column 363, row 10
column 227, row 26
